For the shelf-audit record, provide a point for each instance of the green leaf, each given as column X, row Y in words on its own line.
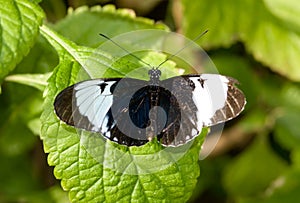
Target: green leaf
column 290, row 95
column 284, row 188
column 261, row 27
column 253, row 171
column 20, row 21
column 286, row 129
column 38, row 81
column 107, row 20
column 42, row 58
column 285, row 10
column 95, row 171
column 286, row 114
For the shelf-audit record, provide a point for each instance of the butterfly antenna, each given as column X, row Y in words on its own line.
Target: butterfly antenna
column 106, row 37
column 177, row 52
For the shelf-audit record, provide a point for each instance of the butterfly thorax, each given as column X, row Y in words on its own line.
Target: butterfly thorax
column 154, row 75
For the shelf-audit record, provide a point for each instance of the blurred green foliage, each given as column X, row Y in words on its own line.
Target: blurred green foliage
column 256, row 42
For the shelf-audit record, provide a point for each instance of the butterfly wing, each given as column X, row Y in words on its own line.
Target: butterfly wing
column 88, row 105
column 217, row 98
column 78, row 105
column 205, row 100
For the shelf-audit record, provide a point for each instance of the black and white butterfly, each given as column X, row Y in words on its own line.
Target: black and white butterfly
column 131, row 112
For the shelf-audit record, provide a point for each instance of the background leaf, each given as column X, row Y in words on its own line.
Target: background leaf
column 258, row 158
column 20, row 22
column 113, row 22
column 279, row 50
column 35, row 80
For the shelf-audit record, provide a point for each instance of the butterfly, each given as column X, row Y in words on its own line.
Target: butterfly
column 132, row 112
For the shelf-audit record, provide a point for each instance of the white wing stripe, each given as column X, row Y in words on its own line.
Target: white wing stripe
column 95, row 111
column 84, row 102
column 83, row 95
column 84, row 92
column 209, row 96
column 93, row 103
column 88, row 83
column 102, row 110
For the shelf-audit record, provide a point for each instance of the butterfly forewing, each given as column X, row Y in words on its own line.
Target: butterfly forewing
column 84, row 105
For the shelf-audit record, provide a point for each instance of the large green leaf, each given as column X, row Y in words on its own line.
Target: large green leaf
column 20, row 21
column 269, row 31
column 95, row 171
column 113, row 22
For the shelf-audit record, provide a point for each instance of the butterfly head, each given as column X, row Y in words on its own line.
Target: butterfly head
column 154, row 75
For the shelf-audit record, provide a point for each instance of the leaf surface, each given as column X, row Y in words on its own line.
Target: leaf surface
column 20, row 21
